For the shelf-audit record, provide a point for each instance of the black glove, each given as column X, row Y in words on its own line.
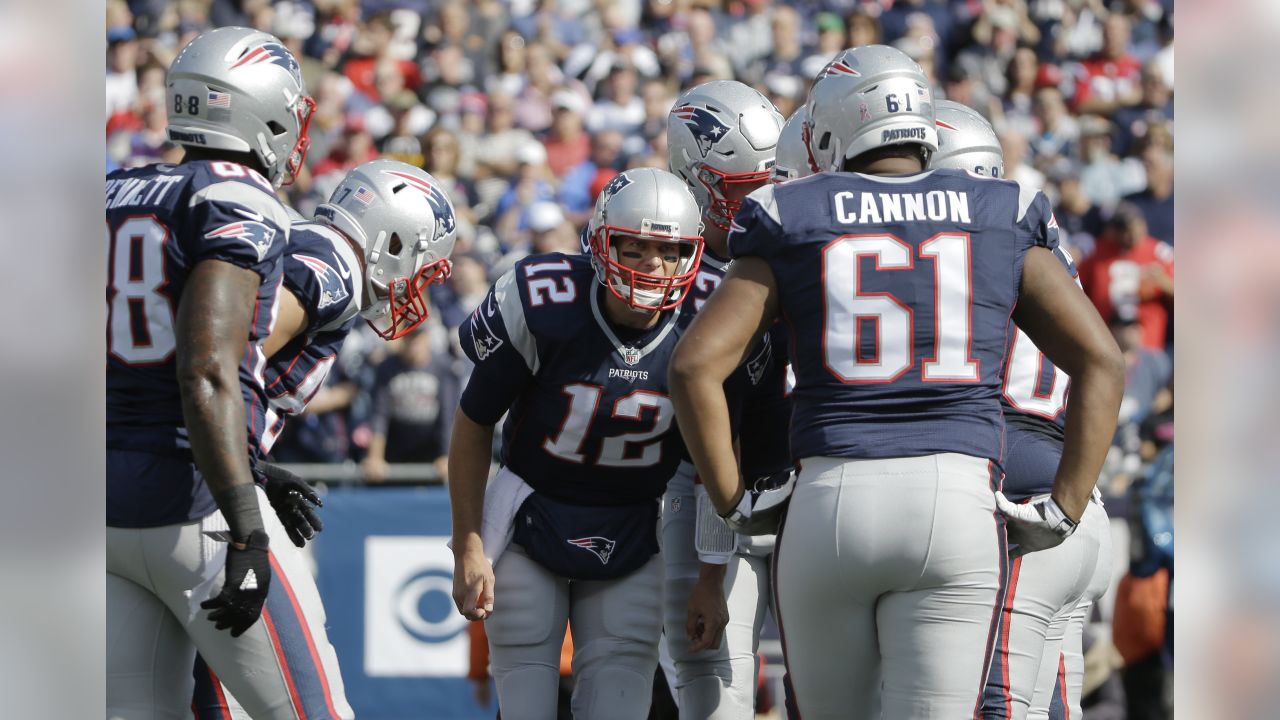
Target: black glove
column 292, row 499
column 244, row 586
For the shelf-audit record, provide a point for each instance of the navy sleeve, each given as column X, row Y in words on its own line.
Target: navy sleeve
column 502, row 369
column 765, row 434
column 234, row 221
column 755, row 230
column 318, row 282
column 1036, row 220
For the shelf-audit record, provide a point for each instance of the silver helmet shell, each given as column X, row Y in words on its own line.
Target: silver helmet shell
column 650, row 204
column 793, row 152
column 721, row 140
column 966, row 141
column 240, row 89
column 869, row 97
column 403, row 221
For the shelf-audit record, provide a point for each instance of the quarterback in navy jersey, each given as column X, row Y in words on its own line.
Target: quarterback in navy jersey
column 573, row 350
column 896, row 286
column 1037, row 670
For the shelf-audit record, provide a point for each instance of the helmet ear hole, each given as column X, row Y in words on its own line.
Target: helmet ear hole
column 395, row 245
column 276, row 128
column 825, row 142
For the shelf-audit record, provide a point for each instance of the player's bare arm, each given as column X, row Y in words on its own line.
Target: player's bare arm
column 469, row 451
column 731, row 323
column 291, row 320
column 1060, row 319
column 212, row 328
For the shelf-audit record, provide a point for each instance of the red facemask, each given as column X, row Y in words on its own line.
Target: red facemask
column 306, row 109
column 408, row 306
column 639, row 280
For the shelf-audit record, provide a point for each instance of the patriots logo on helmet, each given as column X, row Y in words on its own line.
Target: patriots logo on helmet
column 445, row 220
column 482, row 336
column 617, row 183
column 601, row 547
column 273, row 53
column 332, row 289
column 706, row 128
column 256, row 234
column 838, row 67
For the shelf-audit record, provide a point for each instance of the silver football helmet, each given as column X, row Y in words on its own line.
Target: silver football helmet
column 650, row 204
column 793, row 152
column 721, row 139
column 402, row 219
column 869, row 97
column 240, row 89
column 966, row 141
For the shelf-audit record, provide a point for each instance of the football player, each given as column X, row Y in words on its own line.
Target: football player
column 573, row 350
column 196, row 253
column 1039, row 658
column 793, row 154
column 384, row 236
column 897, row 285
column 721, row 139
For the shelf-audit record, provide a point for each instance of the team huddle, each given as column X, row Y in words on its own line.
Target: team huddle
column 818, row 369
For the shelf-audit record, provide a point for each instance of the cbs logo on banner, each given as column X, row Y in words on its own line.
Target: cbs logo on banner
column 411, row 628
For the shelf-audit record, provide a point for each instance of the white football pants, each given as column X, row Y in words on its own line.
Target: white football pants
column 282, row 668
column 715, row 684
column 615, row 626
column 887, row 576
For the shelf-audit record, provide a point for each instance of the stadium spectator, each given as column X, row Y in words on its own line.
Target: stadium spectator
column 1111, row 78
column 1156, row 201
column 605, row 162
column 410, row 422
column 1105, row 177
column 1130, row 276
column 567, row 142
column 1156, row 106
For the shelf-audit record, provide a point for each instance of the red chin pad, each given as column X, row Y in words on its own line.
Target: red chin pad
column 299, row 153
column 637, row 280
column 409, row 307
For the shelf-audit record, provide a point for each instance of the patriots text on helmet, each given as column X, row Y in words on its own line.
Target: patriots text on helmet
column 936, row 205
column 898, row 134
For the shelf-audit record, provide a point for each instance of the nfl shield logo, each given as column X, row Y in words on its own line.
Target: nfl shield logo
column 630, row 355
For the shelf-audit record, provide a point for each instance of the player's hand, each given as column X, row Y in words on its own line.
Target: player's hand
column 708, row 613
column 472, row 583
column 246, row 580
column 1033, row 526
column 293, row 500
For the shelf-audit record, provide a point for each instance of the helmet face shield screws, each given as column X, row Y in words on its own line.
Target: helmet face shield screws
column 646, row 204
column 241, row 90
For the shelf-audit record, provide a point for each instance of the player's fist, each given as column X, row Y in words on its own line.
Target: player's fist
column 472, row 583
column 247, row 578
column 293, row 500
column 1032, row 526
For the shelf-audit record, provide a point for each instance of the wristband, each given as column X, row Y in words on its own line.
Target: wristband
column 239, row 506
column 1058, row 519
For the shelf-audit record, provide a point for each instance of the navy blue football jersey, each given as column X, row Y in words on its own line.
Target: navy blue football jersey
column 161, row 221
column 322, row 270
column 759, row 408
column 896, row 293
column 591, row 420
column 1034, row 400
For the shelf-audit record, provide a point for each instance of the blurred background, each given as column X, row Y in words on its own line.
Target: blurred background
column 525, row 109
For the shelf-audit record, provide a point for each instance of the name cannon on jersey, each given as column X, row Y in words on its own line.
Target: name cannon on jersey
column 933, row 206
